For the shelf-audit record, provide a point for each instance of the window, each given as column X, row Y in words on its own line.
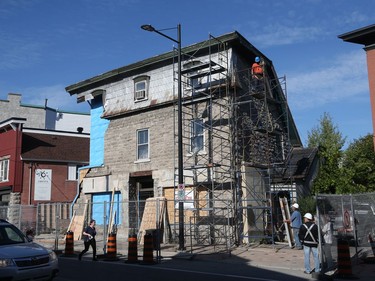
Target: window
column 73, row 171
column 4, row 170
column 142, row 144
column 141, row 88
column 197, row 136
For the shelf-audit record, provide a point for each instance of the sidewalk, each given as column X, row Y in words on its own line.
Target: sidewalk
column 283, row 258
column 280, row 258
column 277, row 257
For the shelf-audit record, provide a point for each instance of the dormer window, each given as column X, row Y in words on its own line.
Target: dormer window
column 141, row 88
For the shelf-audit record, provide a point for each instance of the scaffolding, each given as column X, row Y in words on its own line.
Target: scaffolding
column 262, row 134
column 235, row 136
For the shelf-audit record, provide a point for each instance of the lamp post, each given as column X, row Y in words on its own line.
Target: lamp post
column 150, row 28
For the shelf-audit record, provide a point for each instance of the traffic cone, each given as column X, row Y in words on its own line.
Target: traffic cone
column 132, row 249
column 111, row 254
column 69, row 244
column 344, row 264
column 148, row 249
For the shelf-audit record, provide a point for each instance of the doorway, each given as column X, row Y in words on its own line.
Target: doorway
column 140, row 188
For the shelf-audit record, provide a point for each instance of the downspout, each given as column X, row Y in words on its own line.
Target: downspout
column 77, row 191
column 30, row 181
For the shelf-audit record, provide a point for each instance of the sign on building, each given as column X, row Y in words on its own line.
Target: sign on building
column 43, row 179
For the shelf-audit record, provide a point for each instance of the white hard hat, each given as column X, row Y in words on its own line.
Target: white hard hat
column 295, row 205
column 308, row 216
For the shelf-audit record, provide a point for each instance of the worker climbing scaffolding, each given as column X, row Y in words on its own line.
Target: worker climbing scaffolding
column 257, row 75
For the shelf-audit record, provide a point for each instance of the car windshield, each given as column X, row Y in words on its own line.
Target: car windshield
column 9, row 234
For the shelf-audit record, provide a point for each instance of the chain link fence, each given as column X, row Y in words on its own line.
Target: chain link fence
column 205, row 223
column 349, row 218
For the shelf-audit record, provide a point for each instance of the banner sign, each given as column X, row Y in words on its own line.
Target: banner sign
column 43, row 179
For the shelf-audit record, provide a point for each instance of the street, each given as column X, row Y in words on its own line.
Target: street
column 169, row 270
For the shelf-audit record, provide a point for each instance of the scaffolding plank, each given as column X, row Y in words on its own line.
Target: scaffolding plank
column 286, row 216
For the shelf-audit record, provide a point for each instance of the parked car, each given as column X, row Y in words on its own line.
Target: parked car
column 22, row 259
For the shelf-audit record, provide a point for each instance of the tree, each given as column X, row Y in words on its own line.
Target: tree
column 359, row 166
column 329, row 141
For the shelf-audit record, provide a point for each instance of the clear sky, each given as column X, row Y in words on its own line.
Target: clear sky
column 46, row 45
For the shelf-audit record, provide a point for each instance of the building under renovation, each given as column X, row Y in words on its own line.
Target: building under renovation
column 240, row 146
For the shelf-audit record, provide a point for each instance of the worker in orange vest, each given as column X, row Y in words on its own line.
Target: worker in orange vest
column 257, row 74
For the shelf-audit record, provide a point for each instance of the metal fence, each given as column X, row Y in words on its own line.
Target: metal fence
column 206, row 223
column 40, row 219
column 349, row 218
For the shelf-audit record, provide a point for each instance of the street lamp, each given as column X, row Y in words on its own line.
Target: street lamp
column 149, row 27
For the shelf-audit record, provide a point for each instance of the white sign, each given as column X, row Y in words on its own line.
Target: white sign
column 43, row 180
column 188, row 198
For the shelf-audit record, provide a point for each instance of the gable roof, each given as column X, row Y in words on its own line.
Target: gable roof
column 55, row 147
column 300, row 162
column 232, row 40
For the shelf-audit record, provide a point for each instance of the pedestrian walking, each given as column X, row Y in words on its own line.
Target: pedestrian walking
column 89, row 240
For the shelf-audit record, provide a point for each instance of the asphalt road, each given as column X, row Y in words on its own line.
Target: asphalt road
column 167, row 270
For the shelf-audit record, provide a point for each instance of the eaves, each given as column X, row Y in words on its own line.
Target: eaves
column 233, row 39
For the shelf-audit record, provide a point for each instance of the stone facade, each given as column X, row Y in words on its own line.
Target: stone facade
column 120, row 147
column 233, row 126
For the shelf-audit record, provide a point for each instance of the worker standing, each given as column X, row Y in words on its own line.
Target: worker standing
column 295, row 222
column 257, row 74
column 309, row 236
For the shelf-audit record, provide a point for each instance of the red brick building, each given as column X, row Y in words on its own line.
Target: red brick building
column 39, row 165
column 366, row 37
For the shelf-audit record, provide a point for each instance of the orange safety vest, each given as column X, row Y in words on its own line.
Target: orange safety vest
column 257, row 69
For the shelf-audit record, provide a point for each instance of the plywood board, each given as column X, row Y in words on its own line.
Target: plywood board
column 152, row 215
column 77, row 226
column 77, row 223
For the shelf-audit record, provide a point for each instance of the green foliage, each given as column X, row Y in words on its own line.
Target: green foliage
column 359, row 166
column 349, row 171
column 329, row 140
column 307, row 205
